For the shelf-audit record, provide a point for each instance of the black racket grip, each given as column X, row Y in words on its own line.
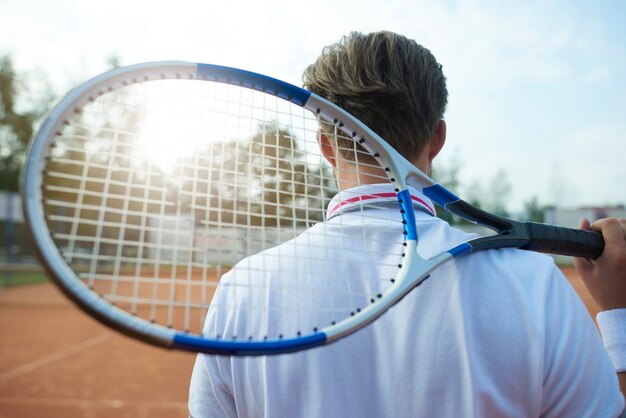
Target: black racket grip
column 565, row 241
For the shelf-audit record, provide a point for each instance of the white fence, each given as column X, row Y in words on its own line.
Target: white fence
column 179, row 239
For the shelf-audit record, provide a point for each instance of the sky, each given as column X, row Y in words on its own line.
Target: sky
column 537, row 90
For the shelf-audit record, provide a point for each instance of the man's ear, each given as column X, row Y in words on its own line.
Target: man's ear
column 328, row 151
column 437, row 141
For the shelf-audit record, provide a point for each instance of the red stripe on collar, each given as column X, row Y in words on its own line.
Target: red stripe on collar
column 363, row 198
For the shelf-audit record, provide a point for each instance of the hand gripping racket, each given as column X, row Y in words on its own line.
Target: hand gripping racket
column 152, row 186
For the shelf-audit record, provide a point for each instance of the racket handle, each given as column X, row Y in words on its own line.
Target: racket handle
column 565, row 241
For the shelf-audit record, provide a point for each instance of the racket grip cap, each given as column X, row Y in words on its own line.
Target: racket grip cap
column 564, row 241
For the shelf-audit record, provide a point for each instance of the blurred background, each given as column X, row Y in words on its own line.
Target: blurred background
column 536, row 130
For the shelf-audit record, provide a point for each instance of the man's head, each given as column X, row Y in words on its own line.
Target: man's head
column 392, row 84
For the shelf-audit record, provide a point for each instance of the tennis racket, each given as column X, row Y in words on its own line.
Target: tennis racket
column 159, row 193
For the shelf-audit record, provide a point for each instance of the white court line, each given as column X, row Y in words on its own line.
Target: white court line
column 53, row 357
column 95, row 403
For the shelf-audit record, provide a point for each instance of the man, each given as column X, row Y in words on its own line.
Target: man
column 495, row 334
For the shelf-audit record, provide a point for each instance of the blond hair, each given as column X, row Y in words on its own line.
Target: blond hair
column 390, row 82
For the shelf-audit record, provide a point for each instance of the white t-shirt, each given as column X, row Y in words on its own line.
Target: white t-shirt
column 499, row 333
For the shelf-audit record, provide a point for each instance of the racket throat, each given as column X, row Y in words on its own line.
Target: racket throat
column 416, row 269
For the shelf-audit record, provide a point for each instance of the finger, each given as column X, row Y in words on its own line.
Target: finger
column 584, row 224
column 613, row 231
column 583, row 263
column 600, row 223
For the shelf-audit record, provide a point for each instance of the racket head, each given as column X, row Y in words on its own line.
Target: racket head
column 139, row 237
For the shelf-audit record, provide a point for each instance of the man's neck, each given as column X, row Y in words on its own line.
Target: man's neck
column 349, row 174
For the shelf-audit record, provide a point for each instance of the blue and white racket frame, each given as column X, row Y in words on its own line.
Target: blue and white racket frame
column 414, row 269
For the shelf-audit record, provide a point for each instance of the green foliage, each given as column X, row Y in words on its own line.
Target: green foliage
column 448, row 177
column 11, row 278
column 534, row 211
column 491, row 198
column 264, row 181
column 16, row 124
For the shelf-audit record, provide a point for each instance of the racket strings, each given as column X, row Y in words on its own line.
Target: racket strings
column 260, row 238
column 154, row 192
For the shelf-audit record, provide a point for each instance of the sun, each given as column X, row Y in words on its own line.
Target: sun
column 169, row 129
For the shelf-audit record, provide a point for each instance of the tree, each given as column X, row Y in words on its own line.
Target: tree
column 291, row 188
column 16, row 125
column 448, row 177
column 448, row 174
column 93, row 178
column 534, row 211
column 498, row 195
column 264, row 181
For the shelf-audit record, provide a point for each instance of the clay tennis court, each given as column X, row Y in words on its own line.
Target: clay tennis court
column 57, row 362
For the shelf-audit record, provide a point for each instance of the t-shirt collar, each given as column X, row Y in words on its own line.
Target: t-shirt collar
column 375, row 194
